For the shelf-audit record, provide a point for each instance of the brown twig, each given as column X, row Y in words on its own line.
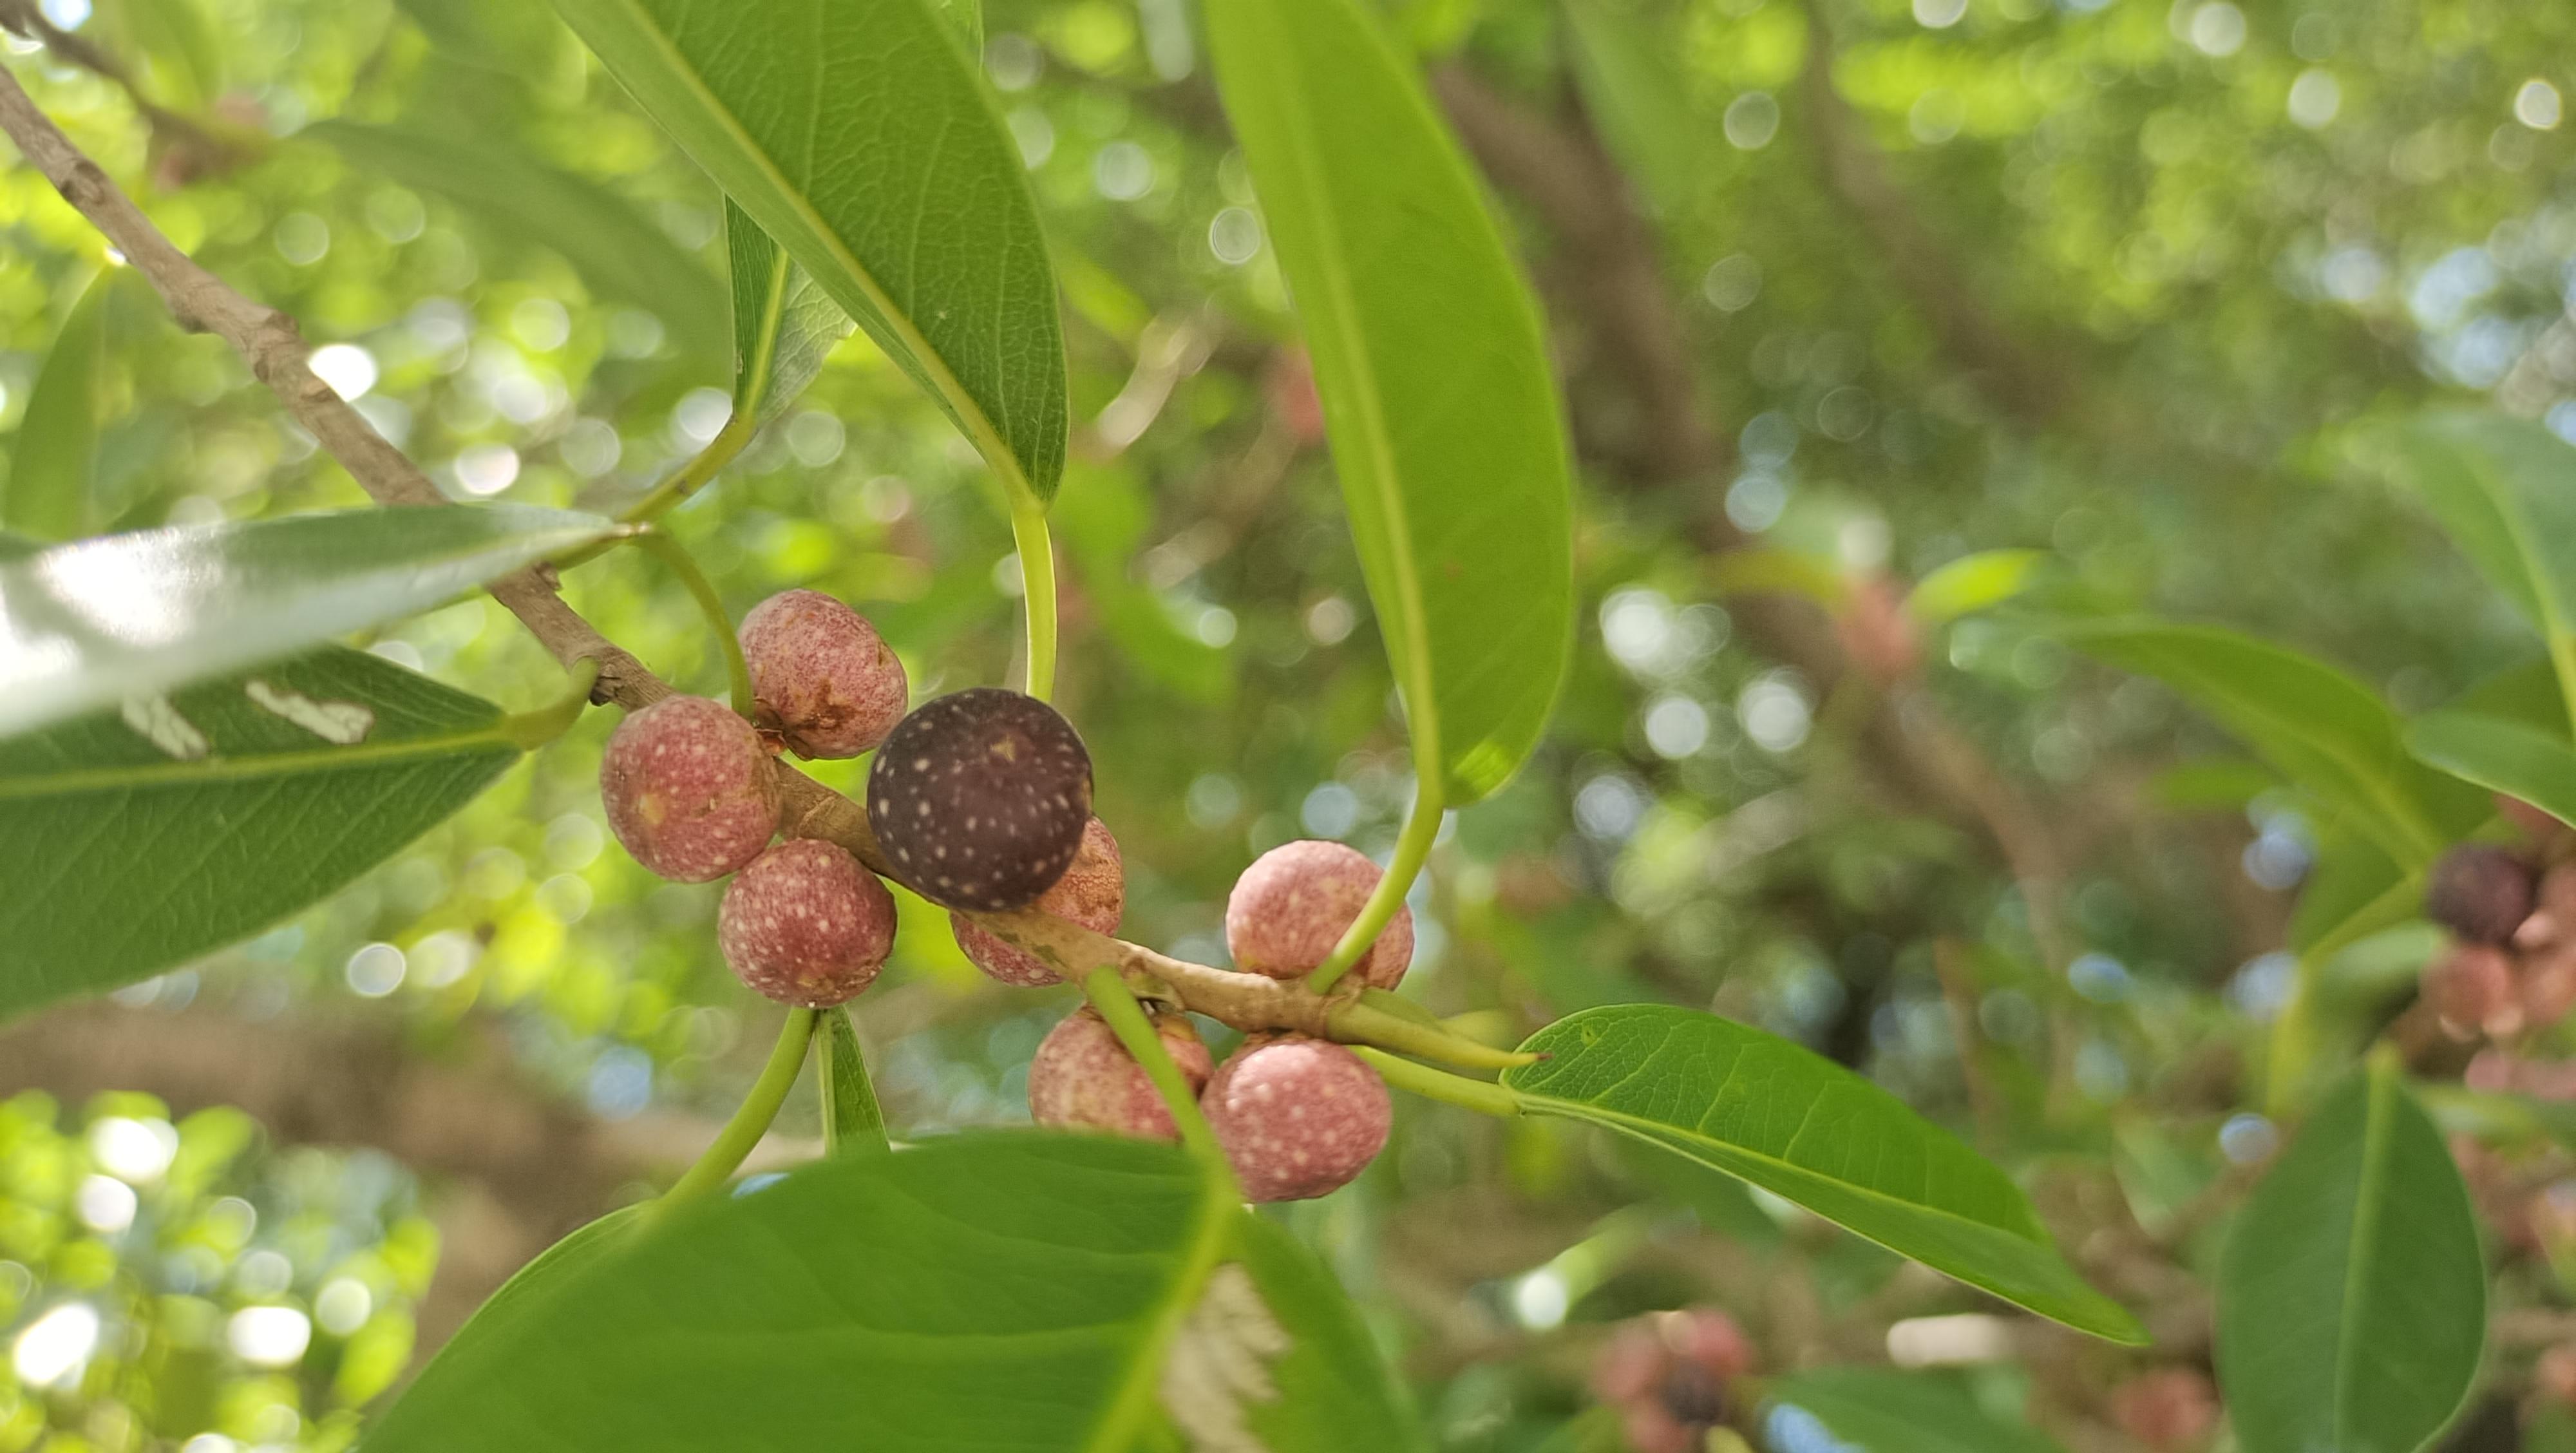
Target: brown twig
column 274, row 348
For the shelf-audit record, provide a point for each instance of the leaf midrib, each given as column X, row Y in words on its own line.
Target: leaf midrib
column 217, row 769
column 979, row 426
column 2361, row 1255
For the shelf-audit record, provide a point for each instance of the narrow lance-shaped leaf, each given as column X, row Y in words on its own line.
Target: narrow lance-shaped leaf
column 134, row 840
column 1875, row 1410
column 1800, row 1126
column 894, row 1301
column 2500, row 755
column 618, row 252
column 2505, row 490
column 123, row 617
column 1427, row 350
column 1973, row 583
column 2352, row 1293
column 784, row 324
column 54, row 460
column 857, row 134
column 851, row 1117
column 2319, row 727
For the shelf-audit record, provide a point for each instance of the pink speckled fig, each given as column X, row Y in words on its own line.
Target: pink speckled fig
column 1293, row 904
column 2472, row 990
column 806, row 925
column 687, row 788
column 1298, row 1117
column 1093, row 893
column 1084, row 1078
column 826, row 683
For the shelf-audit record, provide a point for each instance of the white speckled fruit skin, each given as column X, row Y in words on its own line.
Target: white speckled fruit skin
column 1298, row 1117
column 827, row 684
column 1295, row 902
column 1083, row 1078
column 1093, row 893
column 806, row 925
column 980, row 799
column 686, row 786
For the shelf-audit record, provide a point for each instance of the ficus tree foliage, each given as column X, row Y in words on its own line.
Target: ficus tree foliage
column 217, row 727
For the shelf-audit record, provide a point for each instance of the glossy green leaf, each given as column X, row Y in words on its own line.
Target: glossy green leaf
column 121, row 617
column 1437, row 394
column 851, row 1117
column 132, row 841
column 2352, row 1293
column 53, row 462
column 2499, row 755
column 1003, row 1291
column 1800, row 1126
column 618, row 252
column 784, row 324
column 2505, row 490
column 2318, row 726
column 859, row 136
column 1877, row 1410
column 1974, row 583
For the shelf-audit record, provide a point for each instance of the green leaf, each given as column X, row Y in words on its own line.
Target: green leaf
column 2320, row 728
column 178, row 42
column 251, row 798
column 851, row 1118
column 1437, row 395
column 1632, row 80
column 784, row 325
column 1802, row 1127
column 966, row 18
column 859, row 136
column 1767, row 570
column 2505, row 490
column 55, row 459
column 1974, row 583
column 2499, row 755
column 2354, row 890
column 617, row 251
column 1002, row 1290
column 563, row 1263
column 1875, row 1410
column 2351, row 1294
column 121, row 617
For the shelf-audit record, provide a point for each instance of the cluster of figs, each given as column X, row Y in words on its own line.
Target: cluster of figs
column 981, row 803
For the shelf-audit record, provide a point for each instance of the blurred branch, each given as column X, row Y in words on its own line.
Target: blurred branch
column 2026, row 385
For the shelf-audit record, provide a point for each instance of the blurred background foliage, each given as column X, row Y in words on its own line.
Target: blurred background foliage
column 1872, row 286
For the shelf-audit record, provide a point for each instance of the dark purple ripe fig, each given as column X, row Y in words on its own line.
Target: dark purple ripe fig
column 980, row 799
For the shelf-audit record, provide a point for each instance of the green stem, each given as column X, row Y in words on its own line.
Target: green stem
column 1363, row 1022
column 1421, row 830
column 1108, row 994
column 1433, row 1084
column 1037, row 591
column 751, row 1119
column 533, row 729
column 671, row 553
column 687, row 480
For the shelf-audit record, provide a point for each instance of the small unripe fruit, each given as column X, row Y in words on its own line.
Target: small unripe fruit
column 1297, row 1117
column 2480, row 892
column 1093, row 893
column 687, row 788
column 1293, row 904
column 1083, row 1077
column 826, row 684
column 2472, row 991
column 981, row 799
column 2169, row 1409
column 1668, row 1375
column 806, row 925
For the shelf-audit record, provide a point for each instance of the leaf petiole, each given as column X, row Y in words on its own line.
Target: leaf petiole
column 673, row 554
column 1431, row 1084
column 1421, row 830
column 751, row 1119
column 529, row 730
column 1108, row 994
column 1037, row 589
